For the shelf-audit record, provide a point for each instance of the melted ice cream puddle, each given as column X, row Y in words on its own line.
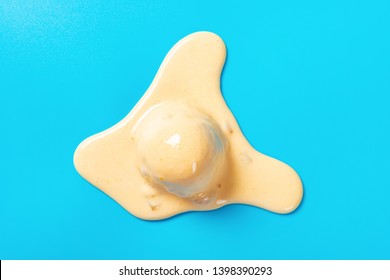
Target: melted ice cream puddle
column 180, row 148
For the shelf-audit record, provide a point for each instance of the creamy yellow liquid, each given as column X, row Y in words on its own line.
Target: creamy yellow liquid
column 181, row 149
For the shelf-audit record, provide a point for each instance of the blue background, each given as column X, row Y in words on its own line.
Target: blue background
column 309, row 83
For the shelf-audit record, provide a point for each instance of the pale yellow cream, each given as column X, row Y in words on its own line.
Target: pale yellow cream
column 180, row 148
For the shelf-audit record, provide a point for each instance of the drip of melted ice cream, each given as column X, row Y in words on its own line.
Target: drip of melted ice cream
column 180, row 148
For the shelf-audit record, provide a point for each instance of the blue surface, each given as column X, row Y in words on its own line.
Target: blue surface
column 309, row 83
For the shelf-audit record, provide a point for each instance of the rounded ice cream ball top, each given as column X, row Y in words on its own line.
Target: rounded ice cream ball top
column 179, row 148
